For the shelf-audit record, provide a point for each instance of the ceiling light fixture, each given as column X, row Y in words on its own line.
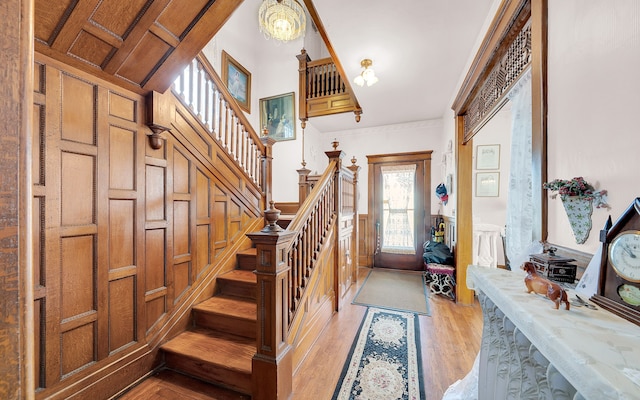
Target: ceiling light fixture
column 367, row 75
column 282, row 20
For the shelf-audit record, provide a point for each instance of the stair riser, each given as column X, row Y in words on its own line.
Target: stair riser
column 236, row 288
column 238, row 381
column 222, row 323
column 246, row 262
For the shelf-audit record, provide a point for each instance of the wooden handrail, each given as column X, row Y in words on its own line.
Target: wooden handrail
column 311, row 225
column 316, row 247
column 201, row 90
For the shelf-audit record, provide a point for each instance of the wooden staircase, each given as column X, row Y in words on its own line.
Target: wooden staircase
column 220, row 345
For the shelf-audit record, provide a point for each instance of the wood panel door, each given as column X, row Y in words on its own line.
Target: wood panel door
column 400, row 206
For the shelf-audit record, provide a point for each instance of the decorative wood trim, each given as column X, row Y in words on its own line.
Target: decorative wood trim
column 498, row 83
column 506, row 27
column 486, row 56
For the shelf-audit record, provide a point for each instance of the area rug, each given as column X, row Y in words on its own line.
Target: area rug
column 384, row 361
column 394, row 290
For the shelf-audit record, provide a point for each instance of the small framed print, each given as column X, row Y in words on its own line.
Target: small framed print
column 238, row 81
column 488, row 156
column 487, row 184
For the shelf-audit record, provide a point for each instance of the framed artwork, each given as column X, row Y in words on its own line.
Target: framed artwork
column 488, row 156
column 238, row 81
column 487, row 184
column 277, row 115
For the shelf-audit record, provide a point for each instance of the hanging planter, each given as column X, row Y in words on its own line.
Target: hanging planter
column 579, row 210
column 578, row 198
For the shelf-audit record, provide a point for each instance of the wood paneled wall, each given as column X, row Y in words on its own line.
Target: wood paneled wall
column 126, row 238
column 365, row 251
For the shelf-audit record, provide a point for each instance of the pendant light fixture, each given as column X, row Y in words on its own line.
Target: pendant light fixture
column 367, row 75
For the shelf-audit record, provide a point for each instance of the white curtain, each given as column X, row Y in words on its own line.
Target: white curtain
column 520, row 208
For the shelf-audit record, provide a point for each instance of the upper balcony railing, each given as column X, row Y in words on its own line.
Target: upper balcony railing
column 323, row 89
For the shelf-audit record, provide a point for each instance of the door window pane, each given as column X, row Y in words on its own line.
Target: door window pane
column 398, row 187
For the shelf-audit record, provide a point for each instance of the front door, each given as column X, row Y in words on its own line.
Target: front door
column 400, row 208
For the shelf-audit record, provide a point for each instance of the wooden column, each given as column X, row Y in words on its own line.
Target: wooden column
column 539, row 23
column 464, row 217
column 16, row 276
column 355, row 248
column 272, row 364
column 303, row 59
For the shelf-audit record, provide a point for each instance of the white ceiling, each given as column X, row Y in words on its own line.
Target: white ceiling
column 420, row 50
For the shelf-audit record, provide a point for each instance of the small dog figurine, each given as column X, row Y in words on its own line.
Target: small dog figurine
column 537, row 284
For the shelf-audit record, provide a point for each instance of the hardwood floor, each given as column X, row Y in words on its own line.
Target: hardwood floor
column 450, row 340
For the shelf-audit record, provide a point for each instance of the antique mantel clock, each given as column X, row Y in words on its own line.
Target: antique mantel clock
column 619, row 283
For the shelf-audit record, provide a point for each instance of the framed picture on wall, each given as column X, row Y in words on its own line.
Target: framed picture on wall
column 238, row 81
column 488, row 156
column 277, row 115
column 487, row 184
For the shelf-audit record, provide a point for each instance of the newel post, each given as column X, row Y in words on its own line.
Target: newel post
column 272, row 364
column 303, row 59
column 303, row 184
column 337, row 155
column 267, row 165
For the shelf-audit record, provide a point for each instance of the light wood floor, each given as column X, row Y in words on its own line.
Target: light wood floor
column 450, row 340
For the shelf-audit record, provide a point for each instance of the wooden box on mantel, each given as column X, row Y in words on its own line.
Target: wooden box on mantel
column 555, row 267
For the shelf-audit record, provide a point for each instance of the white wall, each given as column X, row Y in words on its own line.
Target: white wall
column 401, row 138
column 594, row 100
column 274, row 70
column 493, row 210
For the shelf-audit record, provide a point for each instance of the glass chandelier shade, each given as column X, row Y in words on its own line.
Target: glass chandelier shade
column 367, row 75
column 283, row 20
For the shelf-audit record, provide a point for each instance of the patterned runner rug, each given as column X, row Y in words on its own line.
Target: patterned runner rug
column 384, row 361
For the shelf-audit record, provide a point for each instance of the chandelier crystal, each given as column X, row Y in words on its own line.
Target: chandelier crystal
column 282, row 20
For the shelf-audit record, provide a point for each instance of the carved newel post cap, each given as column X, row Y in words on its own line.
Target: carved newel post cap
column 272, row 215
column 335, row 144
column 354, row 160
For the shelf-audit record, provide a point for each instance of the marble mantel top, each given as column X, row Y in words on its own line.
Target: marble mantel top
column 595, row 350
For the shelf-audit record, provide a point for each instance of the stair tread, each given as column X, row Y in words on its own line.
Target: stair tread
column 230, row 351
column 167, row 384
column 248, row 252
column 240, row 275
column 239, row 307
